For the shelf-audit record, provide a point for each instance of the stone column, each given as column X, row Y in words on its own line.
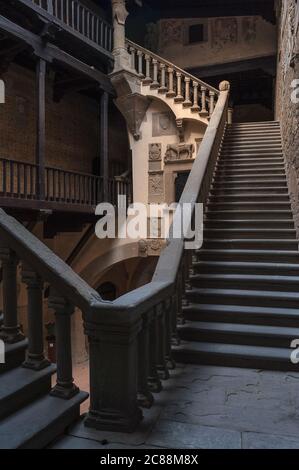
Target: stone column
column 10, row 331
column 121, row 55
column 35, row 359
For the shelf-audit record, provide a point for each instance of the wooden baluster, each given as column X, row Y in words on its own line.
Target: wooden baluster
column 12, row 182
column 140, row 64
column 163, row 87
column 65, row 387
column 144, row 396
column 154, row 381
column 204, row 112
column 212, row 102
column 133, row 58
column 171, row 92
column 195, row 108
column 161, row 346
column 179, row 97
column 35, row 358
column 187, row 103
column 10, row 332
column 25, row 182
column 155, row 84
column 170, row 363
column 4, row 180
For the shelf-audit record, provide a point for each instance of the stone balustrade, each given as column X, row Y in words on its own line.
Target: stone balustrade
column 172, row 82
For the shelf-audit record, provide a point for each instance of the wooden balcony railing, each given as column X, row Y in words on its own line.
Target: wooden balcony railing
column 81, row 19
column 18, row 180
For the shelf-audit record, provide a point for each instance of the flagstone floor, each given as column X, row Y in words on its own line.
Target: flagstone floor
column 207, row 407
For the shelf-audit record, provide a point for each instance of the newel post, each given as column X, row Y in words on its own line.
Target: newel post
column 121, row 55
column 113, row 352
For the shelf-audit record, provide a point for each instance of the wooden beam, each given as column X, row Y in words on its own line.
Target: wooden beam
column 51, row 53
column 40, row 127
column 104, row 143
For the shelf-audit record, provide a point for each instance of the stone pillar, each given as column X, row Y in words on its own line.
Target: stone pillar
column 113, row 350
column 10, row 331
column 121, row 55
column 65, row 387
column 35, row 359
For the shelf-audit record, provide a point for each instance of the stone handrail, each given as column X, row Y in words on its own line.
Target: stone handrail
column 130, row 339
column 177, row 84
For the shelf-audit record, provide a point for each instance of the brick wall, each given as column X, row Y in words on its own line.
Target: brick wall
column 287, row 111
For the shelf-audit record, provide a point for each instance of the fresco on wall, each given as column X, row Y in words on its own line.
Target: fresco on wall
column 249, row 29
column 224, row 32
column 171, row 32
column 151, row 39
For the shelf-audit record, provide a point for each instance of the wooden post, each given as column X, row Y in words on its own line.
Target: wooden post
column 104, row 144
column 40, row 127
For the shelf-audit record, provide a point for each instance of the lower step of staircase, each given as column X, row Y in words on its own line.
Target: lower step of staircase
column 14, row 355
column 21, row 386
column 234, row 355
column 36, row 425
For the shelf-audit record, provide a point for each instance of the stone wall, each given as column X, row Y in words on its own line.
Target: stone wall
column 287, row 111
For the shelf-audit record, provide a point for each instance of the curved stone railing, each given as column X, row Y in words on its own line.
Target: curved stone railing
column 130, row 339
column 171, row 81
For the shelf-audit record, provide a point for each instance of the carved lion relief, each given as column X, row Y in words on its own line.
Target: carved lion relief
column 176, row 152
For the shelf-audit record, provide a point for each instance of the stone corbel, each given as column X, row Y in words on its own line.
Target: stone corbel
column 133, row 107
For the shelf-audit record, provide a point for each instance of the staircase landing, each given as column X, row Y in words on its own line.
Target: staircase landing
column 209, row 407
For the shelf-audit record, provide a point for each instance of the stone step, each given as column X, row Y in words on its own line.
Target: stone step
column 249, row 214
column 250, row 223
column 252, row 205
column 14, row 355
column 250, row 244
column 246, row 282
column 21, row 386
column 248, row 197
column 227, row 166
column 274, row 256
column 248, row 152
column 39, row 423
column 255, row 298
column 275, row 190
column 260, row 139
column 224, row 172
column 245, row 161
column 250, row 177
column 253, row 268
column 237, row 125
column 235, row 333
column 248, row 233
column 273, row 316
column 230, row 355
column 253, row 132
column 235, row 185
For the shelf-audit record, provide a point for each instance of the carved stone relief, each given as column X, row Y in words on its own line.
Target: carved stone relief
column 225, row 31
column 155, row 152
column 163, row 124
column 156, row 184
column 179, row 152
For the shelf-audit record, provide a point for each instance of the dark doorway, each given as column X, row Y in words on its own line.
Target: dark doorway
column 180, row 183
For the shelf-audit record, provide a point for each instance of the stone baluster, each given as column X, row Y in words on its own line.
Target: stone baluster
column 147, row 80
column 170, row 363
column 179, row 97
column 65, row 387
column 155, row 84
column 171, row 92
column 195, row 108
column 212, row 102
column 133, row 58
column 35, row 358
column 10, row 332
column 140, row 64
column 204, row 112
column 161, row 345
column 187, row 103
column 144, row 397
column 163, row 88
column 154, row 381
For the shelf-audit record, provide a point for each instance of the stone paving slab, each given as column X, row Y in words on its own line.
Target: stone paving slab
column 251, row 440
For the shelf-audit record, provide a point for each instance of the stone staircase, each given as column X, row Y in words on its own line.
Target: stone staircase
column 242, row 308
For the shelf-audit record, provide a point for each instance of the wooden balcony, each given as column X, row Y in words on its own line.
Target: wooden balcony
column 65, row 191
